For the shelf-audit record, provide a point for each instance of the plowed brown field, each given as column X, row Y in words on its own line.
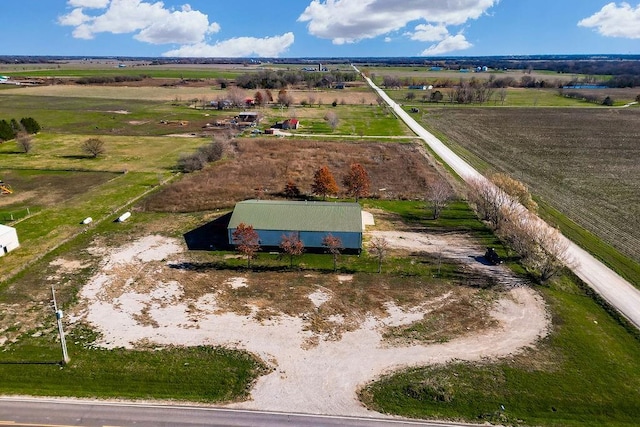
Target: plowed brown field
column 583, row 161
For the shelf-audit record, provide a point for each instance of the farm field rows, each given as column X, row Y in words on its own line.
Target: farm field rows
column 581, row 161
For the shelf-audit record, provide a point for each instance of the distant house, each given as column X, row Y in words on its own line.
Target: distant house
column 290, row 124
column 287, row 124
column 311, row 221
column 248, row 118
column 8, row 239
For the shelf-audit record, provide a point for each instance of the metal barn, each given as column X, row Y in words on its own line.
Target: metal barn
column 313, row 221
column 8, row 239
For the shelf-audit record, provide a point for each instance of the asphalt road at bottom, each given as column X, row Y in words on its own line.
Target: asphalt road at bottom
column 33, row 412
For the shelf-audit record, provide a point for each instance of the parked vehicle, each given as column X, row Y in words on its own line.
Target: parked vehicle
column 491, row 256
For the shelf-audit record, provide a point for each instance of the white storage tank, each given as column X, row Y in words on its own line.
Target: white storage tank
column 124, row 217
column 8, row 239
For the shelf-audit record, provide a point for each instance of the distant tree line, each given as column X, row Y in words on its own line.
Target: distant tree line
column 588, row 97
column 94, row 80
column 10, row 130
column 269, row 79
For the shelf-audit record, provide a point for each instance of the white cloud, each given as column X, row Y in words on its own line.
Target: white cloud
column 429, row 33
column 615, row 21
column 270, row 47
column 349, row 21
column 151, row 22
column 449, row 44
column 75, row 18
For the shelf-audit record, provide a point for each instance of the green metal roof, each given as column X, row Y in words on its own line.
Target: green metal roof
column 298, row 216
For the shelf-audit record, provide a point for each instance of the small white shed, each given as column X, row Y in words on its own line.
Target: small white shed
column 8, row 239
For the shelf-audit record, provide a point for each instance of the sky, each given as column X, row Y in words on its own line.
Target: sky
column 318, row 28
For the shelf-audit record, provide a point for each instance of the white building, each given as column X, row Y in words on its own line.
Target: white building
column 8, row 239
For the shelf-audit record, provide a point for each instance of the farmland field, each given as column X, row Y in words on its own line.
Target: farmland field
column 582, row 161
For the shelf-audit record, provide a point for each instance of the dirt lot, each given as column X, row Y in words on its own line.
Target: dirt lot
column 323, row 334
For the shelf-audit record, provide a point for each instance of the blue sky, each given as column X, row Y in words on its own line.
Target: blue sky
column 319, row 28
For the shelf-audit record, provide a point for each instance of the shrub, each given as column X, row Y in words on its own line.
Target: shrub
column 188, row 163
column 212, row 152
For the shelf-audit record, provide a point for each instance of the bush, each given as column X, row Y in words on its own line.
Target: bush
column 212, row 152
column 188, row 163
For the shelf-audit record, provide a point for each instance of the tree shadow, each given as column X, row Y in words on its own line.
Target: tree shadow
column 77, row 157
column 24, row 362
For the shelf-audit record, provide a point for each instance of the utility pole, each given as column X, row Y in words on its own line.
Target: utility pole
column 63, row 343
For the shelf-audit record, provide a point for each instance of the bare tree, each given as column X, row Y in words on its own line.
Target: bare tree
column 491, row 203
column 94, row 147
column 552, row 253
column 292, row 246
column 236, row 96
column 247, row 241
column 542, row 248
column 439, row 195
column 515, row 189
column 24, row 142
column 379, row 247
column 333, row 244
column 332, row 119
column 502, row 94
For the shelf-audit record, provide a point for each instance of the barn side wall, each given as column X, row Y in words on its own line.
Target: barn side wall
column 310, row 239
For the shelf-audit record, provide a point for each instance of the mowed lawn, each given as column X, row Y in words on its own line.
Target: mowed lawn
column 581, row 161
column 57, row 185
column 122, row 153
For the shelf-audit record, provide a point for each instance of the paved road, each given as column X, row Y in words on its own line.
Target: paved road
column 58, row 413
column 613, row 288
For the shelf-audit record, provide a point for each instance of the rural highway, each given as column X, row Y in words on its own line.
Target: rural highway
column 33, row 412
column 608, row 284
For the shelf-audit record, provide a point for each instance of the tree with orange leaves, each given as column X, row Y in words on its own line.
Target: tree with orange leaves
column 357, row 181
column 323, row 183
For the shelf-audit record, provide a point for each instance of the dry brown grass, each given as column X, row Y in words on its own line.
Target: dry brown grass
column 262, row 167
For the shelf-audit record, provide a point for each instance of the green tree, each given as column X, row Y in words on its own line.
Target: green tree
column 30, row 125
column 6, row 131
